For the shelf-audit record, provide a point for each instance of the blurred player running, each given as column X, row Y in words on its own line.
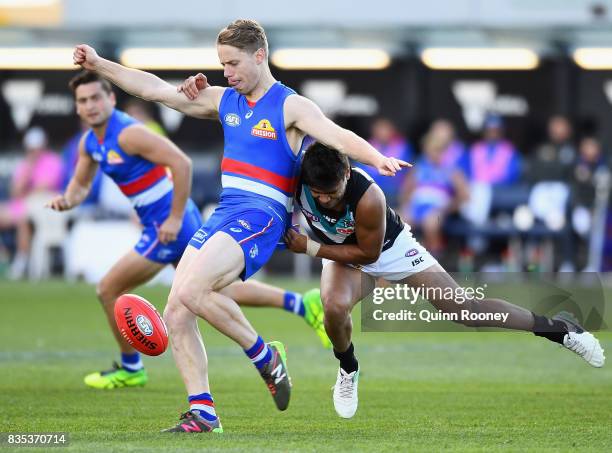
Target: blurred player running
column 264, row 124
column 363, row 239
column 135, row 158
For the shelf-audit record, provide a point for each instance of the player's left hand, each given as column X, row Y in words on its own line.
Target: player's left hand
column 296, row 242
column 389, row 166
column 168, row 231
column 192, row 86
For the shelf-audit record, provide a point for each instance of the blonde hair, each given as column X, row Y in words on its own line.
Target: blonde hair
column 244, row 34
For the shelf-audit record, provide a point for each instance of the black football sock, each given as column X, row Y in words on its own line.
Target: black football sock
column 348, row 361
column 549, row 328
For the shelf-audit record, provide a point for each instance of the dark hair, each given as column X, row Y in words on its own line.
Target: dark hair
column 85, row 77
column 323, row 167
column 244, row 34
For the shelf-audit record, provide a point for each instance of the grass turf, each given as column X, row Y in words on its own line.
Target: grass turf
column 418, row 391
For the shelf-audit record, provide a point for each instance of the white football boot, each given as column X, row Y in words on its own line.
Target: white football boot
column 580, row 341
column 345, row 393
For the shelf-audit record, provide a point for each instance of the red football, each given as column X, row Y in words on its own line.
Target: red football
column 141, row 325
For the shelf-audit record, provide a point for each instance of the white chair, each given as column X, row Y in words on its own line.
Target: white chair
column 50, row 228
column 93, row 247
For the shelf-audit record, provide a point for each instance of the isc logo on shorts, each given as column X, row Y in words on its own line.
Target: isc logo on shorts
column 419, row 260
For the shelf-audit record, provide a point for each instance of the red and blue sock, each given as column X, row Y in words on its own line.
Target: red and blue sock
column 293, row 302
column 203, row 405
column 259, row 353
column 131, row 362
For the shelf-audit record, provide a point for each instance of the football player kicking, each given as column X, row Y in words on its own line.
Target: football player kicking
column 362, row 239
column 264, row 124
column 135, row 158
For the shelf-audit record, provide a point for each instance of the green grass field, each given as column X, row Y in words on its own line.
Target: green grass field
column 418, row 391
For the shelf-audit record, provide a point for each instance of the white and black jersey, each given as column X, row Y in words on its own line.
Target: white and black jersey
column 332, row 227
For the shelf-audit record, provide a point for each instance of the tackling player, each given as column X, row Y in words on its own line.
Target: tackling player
column 264, row 124
column 135, row 158
column 362, row 239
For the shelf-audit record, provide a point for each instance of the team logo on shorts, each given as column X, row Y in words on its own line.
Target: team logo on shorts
column 412, row 252
column 246, row 225
column 264, row 129
column 236, row 230
column 144, row 325
column 254, row 251
column 144, row 240
column 231, row 119
column 113, row 157
column 163, row 254
column 200, row 236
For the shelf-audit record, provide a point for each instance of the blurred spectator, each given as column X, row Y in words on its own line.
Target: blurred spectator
column 455, row 154
column 590, row 161
column 142, row 111
column 433, row 189
column 554, row 159
column 40, row 170
column 549, row 170
column 589, row 164
column 493, row 160
column 387, row 139
column 70, row 154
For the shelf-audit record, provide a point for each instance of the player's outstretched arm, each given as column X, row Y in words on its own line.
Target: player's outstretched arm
column 80, row 183
column 306, row 116
column 148, row 86
column 138, row 140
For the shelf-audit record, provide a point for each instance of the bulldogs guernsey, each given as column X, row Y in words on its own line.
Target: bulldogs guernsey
column 259, row 175
column 147, row 187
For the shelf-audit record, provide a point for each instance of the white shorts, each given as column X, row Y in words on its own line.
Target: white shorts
column 406, row 257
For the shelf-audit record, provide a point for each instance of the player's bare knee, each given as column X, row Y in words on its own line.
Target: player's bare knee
column 336, row 307
column 192, row 299
column 106, row 293
column 177, row 317
column 181, row 297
